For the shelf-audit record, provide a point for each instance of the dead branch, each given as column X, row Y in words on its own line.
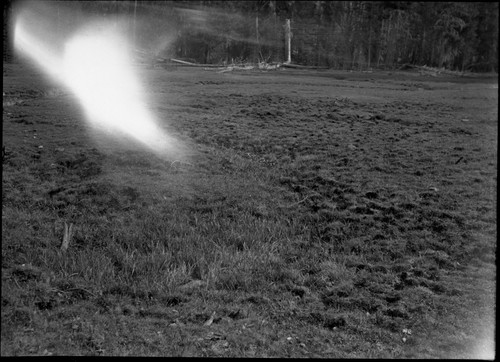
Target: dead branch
column 210, row 320
column 268, row 66
column 68, row 233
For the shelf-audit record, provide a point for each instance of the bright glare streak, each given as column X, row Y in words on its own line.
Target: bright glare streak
column 27, row 44
column 96, row 67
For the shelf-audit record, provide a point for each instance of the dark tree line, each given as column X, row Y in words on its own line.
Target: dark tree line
column 337, row 34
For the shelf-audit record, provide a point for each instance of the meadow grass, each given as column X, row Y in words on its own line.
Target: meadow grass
column 311, row 232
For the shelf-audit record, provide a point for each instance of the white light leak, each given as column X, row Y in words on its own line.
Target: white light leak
column 96, row 66
column 28, row 44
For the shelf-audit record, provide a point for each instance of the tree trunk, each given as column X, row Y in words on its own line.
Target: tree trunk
column 317, row 46
column 288, row 41
column 370, row 37
column 58, row 22
column 8, row 50
column 207, row 54
column 276, row 34
column 257, row 36
column 135, row 13
column 319, row 28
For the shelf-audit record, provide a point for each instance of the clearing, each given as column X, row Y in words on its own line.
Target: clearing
column 316, row 214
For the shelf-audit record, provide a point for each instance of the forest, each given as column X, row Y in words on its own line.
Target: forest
column 349, row 35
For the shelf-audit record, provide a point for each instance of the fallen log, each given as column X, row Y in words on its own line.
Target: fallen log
column 297, row 66
column 431, row 70
column 406, row 66
column 230, row 68
column 243, row 67
column 189, row 64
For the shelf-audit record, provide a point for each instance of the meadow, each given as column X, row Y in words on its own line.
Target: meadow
column 312, row 214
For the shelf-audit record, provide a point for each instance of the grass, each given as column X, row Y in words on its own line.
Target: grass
column 318, row 220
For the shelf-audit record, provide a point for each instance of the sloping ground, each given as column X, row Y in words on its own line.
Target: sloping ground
column 320, row 214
